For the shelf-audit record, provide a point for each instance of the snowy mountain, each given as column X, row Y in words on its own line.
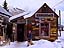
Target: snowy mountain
column 15, row 11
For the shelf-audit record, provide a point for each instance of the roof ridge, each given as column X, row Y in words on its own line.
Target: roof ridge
column 2, row 10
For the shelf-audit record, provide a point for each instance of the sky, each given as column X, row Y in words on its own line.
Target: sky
column 31, row 4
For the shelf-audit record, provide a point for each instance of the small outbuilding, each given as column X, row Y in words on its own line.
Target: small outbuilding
column 43, row 22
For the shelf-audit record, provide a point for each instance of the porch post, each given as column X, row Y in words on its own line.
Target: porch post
column 60, row 22
column 39, row 26
column 3, row 34
column 26, row 29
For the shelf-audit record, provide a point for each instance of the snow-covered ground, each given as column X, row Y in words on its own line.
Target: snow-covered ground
column 59, row 43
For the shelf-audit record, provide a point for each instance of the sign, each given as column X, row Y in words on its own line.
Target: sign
column 43, row 15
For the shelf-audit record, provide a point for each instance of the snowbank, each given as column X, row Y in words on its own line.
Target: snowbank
column 59, row 43
column 42, row 44
column 62, row 35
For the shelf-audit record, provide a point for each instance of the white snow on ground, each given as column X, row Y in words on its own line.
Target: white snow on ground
column 43, row 44
column 62, row 35
column 59, row 43
column 15, row 45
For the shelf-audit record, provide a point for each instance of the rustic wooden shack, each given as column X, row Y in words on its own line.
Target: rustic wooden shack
column 17, row 27
column 43, row 23
column 4, row 17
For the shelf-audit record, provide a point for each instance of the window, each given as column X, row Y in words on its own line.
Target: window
column 44, row 15
column 45, row 29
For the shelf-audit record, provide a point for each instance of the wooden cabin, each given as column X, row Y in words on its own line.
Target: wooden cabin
column 3, row 24
column 4, row 17
column 17, row 27
column 43, row 23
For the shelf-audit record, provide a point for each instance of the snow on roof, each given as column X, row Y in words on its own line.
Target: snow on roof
column 2, row 10
column 15, row 11
column 33, row 11
column 19, row 15
column 27, row 14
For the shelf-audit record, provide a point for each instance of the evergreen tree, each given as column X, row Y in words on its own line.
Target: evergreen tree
column 5, row 5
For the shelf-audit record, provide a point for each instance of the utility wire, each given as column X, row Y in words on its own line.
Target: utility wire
column 58, row 3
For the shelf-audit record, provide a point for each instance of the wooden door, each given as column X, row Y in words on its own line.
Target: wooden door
column 20, row 32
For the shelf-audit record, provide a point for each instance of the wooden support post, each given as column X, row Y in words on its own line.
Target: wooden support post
column 60, row 22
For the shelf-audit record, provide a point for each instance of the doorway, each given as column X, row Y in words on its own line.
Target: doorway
column 45, row 27
column 9, row 31
column 20, row 32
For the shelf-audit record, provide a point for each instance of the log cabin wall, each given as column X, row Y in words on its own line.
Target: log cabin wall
column 43, row 24
column 19, row 22
column 3, row 25
column 51, row 21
